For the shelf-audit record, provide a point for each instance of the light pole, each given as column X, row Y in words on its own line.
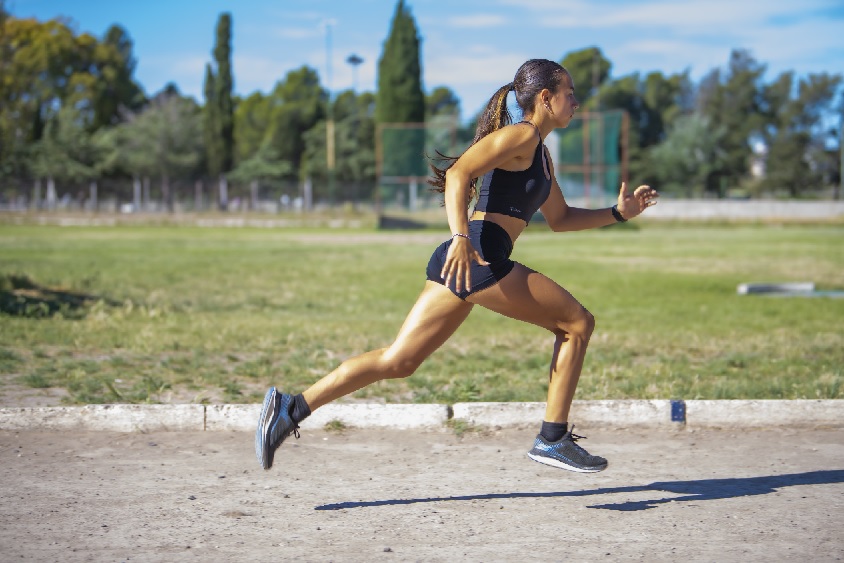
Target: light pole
column 355, row 61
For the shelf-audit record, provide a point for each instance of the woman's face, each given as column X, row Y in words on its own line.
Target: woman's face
column 563, row 103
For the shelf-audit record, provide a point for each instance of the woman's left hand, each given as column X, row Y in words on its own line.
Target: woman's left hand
column 631, row 205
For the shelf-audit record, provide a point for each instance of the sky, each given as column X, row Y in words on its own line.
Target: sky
column 470, row 46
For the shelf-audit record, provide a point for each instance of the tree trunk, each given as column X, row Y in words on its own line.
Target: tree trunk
column 136, row 194
column 36, row 195
column 224, row 194
column 253, row 195
column 51, row 193
column 197, row 196
column 146, row 193
column 93, row 196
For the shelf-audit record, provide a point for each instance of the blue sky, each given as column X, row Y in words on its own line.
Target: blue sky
column 471, row 46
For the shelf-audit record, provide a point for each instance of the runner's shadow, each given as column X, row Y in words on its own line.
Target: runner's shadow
column 702, row 489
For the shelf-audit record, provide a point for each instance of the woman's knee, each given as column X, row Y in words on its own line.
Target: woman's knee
column 581, row 326
column 398, row 366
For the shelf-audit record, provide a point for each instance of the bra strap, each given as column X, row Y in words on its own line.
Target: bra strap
column 535, row 127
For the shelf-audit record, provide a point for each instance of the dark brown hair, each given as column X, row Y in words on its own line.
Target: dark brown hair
column 532, row 77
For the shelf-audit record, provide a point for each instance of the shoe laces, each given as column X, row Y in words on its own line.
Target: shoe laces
column 574, row 438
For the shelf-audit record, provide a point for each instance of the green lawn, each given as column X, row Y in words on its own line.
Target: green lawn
column 193, row 314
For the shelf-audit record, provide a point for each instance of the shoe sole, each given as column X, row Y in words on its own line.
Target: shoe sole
column 563, row 465
column 262, row 443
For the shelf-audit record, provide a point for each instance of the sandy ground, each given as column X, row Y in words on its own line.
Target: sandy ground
column 714, row 495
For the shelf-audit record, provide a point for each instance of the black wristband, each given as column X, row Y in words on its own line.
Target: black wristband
column 617, row 214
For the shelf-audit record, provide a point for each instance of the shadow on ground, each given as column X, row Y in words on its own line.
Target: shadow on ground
column 22, row 297
column 699, row 490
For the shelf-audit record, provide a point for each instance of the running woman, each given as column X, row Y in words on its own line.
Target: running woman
column 509, row 169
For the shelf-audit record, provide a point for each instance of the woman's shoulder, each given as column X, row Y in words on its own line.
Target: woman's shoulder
column 518, row 134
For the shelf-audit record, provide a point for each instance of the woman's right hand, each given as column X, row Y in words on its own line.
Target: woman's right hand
column 458, row 264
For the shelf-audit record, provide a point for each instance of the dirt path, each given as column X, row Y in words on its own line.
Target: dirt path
column 405, row 496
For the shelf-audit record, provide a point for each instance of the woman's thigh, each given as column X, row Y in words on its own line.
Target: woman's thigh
column 529, row 296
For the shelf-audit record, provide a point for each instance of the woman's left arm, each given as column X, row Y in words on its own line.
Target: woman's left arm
column 561, row 217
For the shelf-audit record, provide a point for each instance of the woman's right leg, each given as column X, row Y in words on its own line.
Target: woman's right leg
column 433, row 319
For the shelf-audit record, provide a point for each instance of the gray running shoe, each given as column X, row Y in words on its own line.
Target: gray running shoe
column 274, row 426
column 566, row 454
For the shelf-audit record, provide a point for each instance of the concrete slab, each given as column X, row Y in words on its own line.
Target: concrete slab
column 747, row 413
column 608, row 414
column 358, row 415
column 117, row 418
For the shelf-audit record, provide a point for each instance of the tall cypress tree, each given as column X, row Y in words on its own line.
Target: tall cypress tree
column 223, row 85
column 211, row 127
column 400, row 98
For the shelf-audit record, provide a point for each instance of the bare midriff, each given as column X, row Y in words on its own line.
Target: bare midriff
column 512, row 225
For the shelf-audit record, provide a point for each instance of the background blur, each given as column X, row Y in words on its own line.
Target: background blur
column 264, row 106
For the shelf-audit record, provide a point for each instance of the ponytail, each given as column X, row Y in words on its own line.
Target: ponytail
column 494, row 117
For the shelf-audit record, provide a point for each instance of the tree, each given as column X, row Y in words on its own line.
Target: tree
column 795, row 136
column 224, row 84
column 684, row 161
column 735, row 103
column 355, row 144
column 297, row 103
column 65, row 152
column 589, row 69
column 400, row 98
column 115, row 91
column 218, row 118
column 211, row 128
column 442, row 101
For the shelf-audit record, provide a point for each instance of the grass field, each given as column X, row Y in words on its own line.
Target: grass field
column 189, row 314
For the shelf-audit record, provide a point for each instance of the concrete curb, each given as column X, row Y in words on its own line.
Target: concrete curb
column 116, row 418
column 586, row 413
column 623, row 413
column 368, row 415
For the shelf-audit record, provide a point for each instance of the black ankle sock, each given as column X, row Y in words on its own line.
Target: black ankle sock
column 553, row 431
column 299, row 409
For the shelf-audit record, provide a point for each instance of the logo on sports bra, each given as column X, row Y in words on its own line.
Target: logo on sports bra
column 514, row 210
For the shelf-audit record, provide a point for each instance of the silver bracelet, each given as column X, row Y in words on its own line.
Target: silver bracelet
column 460, row 235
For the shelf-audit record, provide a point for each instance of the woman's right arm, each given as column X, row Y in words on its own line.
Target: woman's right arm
column 493, row 151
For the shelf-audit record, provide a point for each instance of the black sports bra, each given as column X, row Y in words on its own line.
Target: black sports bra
column 516, row 194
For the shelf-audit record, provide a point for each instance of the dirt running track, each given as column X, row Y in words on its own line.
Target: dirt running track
column 770, row 495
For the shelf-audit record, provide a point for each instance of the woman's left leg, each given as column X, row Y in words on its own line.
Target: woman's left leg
column 529, row 296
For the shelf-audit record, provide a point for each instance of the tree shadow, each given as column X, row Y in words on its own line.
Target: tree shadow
column 22, row 297
column 699, row 490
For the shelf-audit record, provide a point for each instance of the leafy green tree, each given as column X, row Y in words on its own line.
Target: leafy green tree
column 251, row 122
column 297, row 104
column 355, row 145
column 442, row 101
column 115, row 90
column 795, row 136
column 400, row 98
column 652, row 104
column 224, row 84
column 733, row 102
column 589, row 70
column 66, row 151
column 211, row 128
column 690, row 152
column 169, row 132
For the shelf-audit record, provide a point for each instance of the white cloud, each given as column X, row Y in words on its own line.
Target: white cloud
column 477, row 21
column 298, row 32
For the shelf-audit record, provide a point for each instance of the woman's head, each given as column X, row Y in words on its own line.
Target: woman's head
column 535, row 76
column 535, row 79
column 532, row 78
